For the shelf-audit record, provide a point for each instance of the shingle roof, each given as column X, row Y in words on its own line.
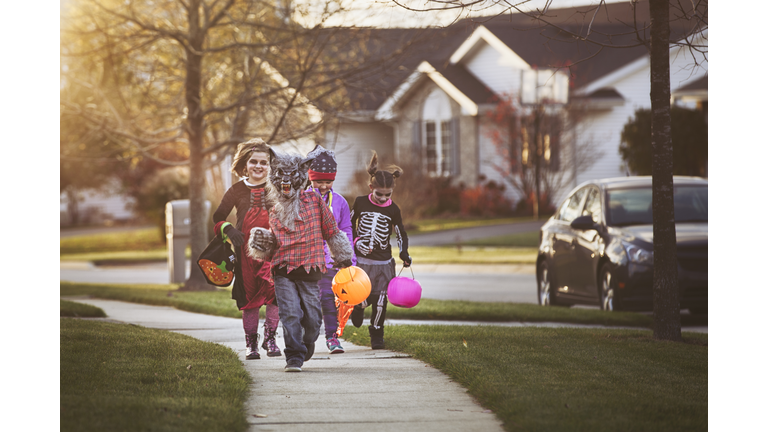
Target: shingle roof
column 699, row 84
column 540, row 46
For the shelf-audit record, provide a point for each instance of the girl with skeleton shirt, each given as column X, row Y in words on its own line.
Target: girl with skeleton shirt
column 374, row 217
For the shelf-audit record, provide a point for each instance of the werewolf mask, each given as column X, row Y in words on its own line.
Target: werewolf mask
column 288, row 173
column 287, row 179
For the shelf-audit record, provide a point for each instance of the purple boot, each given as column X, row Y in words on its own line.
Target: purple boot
column 269, row 342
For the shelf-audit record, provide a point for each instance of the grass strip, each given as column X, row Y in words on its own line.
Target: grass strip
column 545, row 379
column 134, row 240
column 119, row 377
column 74, row 309
column 527, row 239
column 121, row 257
column 470, row 254
column 440, row 224
column 460, row 310
column 219, row 303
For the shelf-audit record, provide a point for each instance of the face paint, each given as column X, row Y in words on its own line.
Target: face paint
column 380, row 195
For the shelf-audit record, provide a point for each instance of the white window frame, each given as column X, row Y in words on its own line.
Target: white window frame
column 437, row 110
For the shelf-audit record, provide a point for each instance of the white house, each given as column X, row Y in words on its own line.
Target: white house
column 437, row 111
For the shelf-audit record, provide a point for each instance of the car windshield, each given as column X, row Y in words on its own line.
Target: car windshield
column 633, row 206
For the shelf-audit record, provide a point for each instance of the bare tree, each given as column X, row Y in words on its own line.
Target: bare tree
column 183, row 81
column 540, row 148
column 650, row 28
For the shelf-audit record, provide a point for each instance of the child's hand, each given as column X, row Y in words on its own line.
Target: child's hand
column 406, row 259
column 234, row 235
column 362, row 247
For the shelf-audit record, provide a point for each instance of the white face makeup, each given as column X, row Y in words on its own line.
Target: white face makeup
column 380, row 195
column 324, row 186
column 257, row 167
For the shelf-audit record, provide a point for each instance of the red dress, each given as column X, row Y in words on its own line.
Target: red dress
column 256, row 274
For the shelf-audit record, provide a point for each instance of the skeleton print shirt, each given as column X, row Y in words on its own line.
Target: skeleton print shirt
column 373, row 225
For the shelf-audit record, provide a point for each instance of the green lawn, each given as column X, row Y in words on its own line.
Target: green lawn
column 544, row 379
column 75, row 309
column 525, row 240
column 140, row 239
column 117, row 377
column 430, row 225
column 469, row 255
column 219, row 303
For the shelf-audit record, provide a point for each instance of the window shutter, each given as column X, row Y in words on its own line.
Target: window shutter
column 455, row 153
column 416, row 140
column 554, row 149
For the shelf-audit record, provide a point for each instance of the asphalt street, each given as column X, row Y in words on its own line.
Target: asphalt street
column 501, row 283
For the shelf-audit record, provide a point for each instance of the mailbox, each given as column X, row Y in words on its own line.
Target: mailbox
column 177, row 236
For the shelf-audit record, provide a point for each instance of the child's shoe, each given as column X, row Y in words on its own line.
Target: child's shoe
column 333, row 345
column 357, row 316
column 252, row 343
column 377, row 337
column 269, row 343
column 293, row 365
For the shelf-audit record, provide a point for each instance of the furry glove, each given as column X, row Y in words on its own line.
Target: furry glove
column 261, row 244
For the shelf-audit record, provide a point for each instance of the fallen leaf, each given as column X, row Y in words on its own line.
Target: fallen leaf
column 566, row 405
column 260, row 415
column 189, row 367
column 487, row 411
column 455, row 410
column 464, row 341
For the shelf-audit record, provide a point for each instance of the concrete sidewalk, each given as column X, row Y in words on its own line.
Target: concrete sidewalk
column 361, row 388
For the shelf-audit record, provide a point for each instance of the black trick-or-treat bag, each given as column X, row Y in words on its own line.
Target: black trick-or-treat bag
column 217, row 261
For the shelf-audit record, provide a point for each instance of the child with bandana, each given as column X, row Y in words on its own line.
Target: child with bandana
column 322, row 174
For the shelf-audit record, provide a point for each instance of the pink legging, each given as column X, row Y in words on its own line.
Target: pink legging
column 251, row 319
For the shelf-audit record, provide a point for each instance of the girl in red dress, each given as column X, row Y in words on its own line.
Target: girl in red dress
column 253, row 285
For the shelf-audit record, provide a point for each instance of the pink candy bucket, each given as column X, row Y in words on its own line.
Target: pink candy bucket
column 404, row 292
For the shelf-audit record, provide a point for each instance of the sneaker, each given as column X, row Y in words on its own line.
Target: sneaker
column 333, row 345
column 293, row 366
column 357, row 316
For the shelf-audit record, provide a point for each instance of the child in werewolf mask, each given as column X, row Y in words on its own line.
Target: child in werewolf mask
column 299, row 222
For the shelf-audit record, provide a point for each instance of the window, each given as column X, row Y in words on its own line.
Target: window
column 570, row 208
column 592, row 206
column 439, row 135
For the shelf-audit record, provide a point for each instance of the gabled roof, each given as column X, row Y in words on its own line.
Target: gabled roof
column 454, row 80
column 517, row 37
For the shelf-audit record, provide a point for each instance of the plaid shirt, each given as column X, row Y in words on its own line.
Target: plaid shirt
column 304, row 245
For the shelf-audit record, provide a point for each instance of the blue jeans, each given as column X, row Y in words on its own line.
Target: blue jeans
column 328, row 303
column 299, row 308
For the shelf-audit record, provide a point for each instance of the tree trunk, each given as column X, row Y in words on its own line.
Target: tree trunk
column 666, row 303
column 198, row 231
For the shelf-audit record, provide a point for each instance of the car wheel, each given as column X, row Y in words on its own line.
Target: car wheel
column 606, row 289
column 544, row 288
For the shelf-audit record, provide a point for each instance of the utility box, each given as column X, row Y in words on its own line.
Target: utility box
column 177, row 236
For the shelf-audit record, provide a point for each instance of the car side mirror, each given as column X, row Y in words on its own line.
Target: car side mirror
column 584, row 223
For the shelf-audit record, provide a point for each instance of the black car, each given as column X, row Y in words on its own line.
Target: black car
column 597, row 249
